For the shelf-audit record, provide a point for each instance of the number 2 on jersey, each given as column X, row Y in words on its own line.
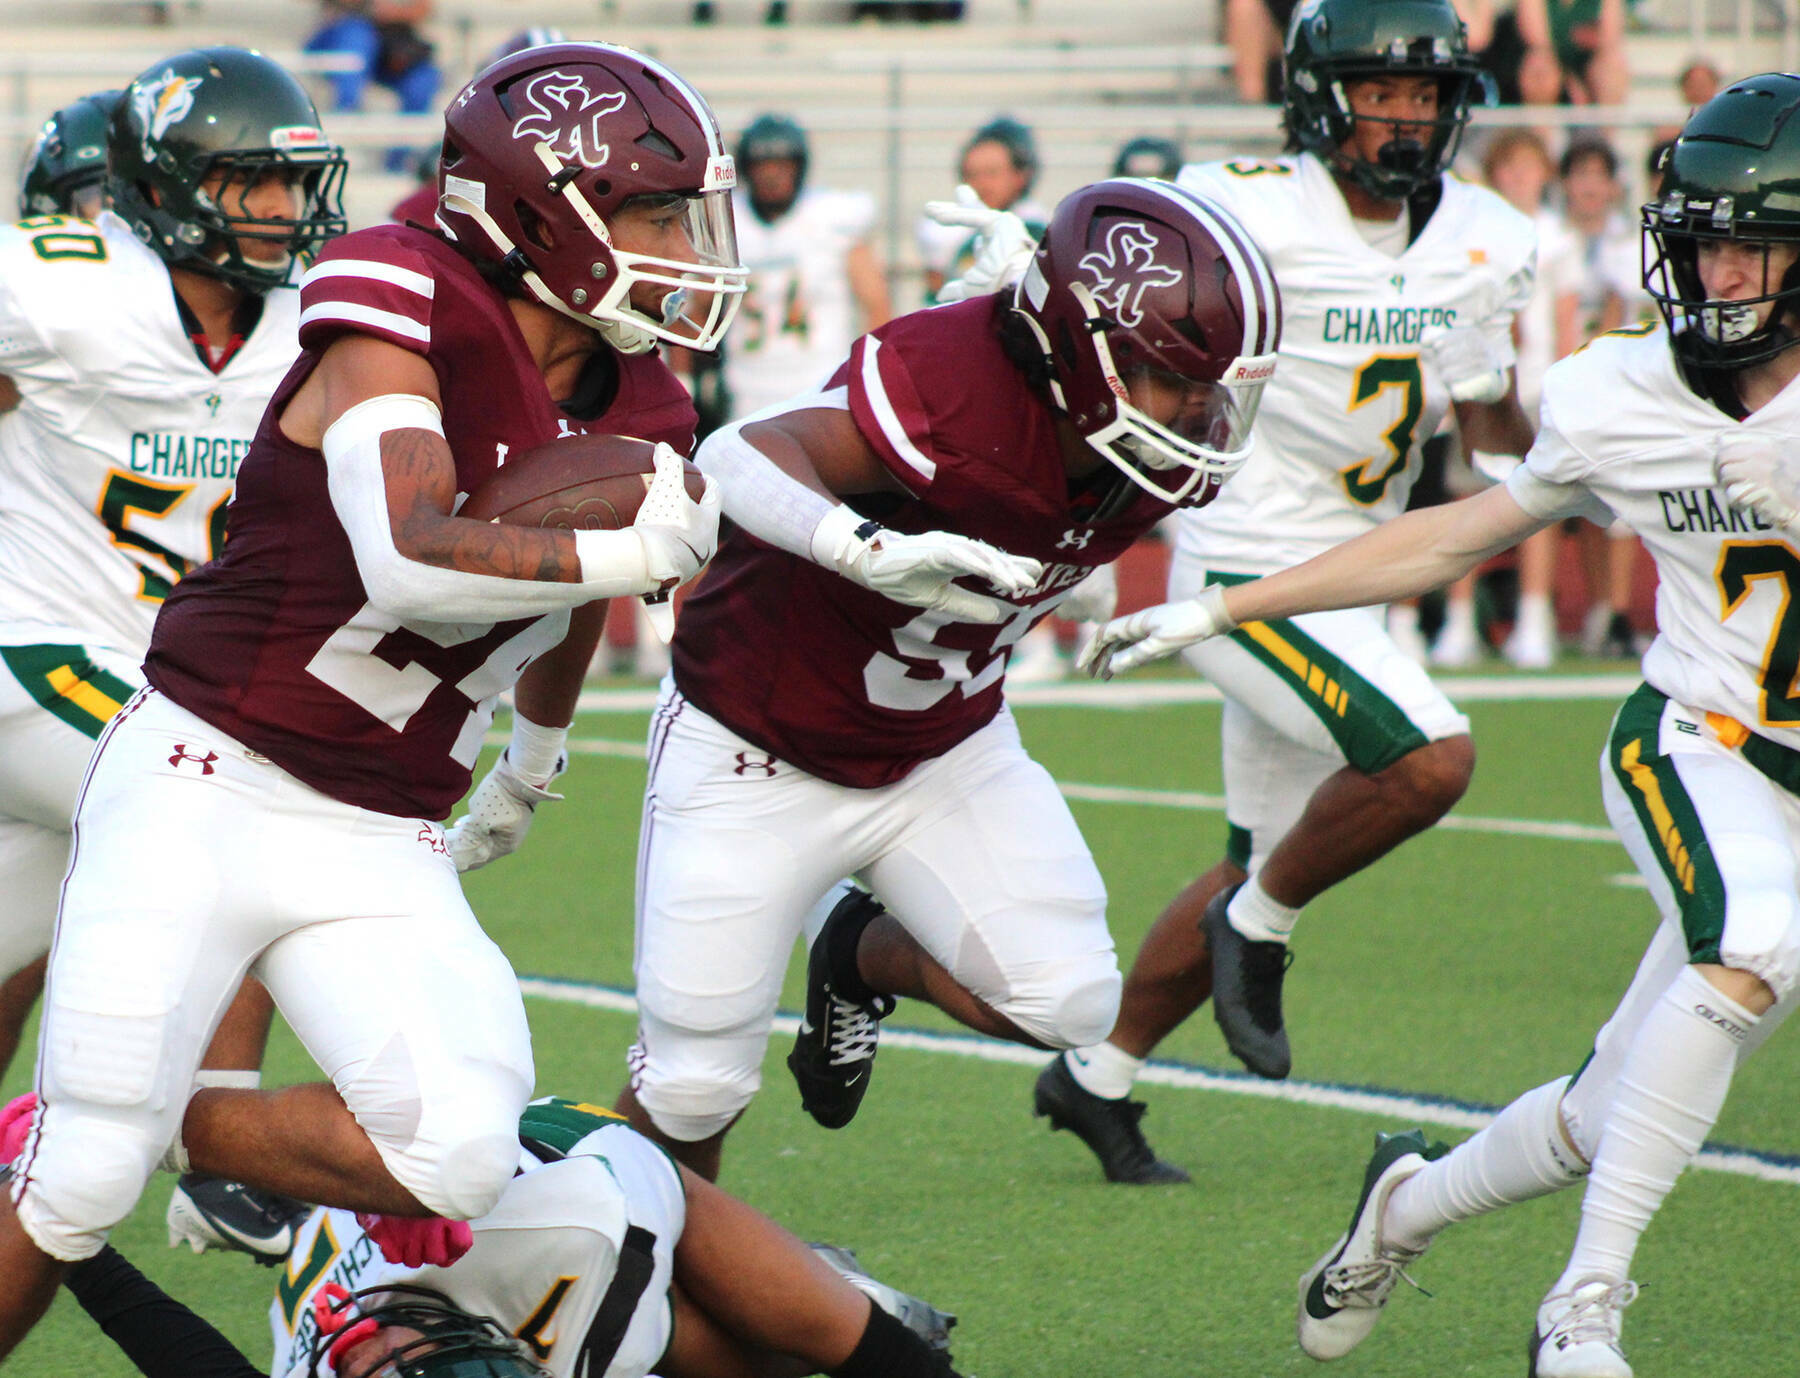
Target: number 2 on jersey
column 1367, row 480
column 1741, row 564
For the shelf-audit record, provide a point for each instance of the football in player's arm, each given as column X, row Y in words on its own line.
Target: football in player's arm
column 318, row 694
column 1687, row 432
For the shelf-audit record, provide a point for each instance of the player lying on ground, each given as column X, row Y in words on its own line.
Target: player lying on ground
column 1687, row 433
column 602, row 1257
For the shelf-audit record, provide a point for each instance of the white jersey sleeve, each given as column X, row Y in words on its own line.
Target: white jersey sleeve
column 1354, row 398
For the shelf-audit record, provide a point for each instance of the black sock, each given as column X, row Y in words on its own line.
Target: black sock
column 840, row 956
column 888, row 1349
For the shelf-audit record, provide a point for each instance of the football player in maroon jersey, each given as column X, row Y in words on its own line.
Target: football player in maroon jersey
column 318, row 695
column 836, row 706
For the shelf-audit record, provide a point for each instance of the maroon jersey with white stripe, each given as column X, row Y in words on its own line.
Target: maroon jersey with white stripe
column 276, row 643
column 835, row 678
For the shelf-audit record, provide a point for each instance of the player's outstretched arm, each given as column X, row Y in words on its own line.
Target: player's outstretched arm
column 161, row 1336
column 1413, row 554
column 1760, row 471
column 782, row 478
column 747, row 1291
column 1003, row 248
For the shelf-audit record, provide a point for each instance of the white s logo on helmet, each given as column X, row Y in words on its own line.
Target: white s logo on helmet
column 567, row 116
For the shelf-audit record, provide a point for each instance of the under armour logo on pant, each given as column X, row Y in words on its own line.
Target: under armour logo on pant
column 183, row 754
column 746, row 763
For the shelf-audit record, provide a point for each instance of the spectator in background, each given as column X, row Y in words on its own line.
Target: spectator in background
column 1574, row 52
column 383, row 35
column 1698, row 83
column 1592, row 268
column 1000, row 162
column 1148, row 156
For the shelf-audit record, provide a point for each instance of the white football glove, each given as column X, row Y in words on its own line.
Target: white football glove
column 679, row 535
column 1003, row 245
column 499, row 816
column 1760, row 472
column 1141, row 637
column 1094, row 599
column 1472, row 366
column 920, row 569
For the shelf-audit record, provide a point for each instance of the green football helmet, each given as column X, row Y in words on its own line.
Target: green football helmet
column 772, row 138
column 450, row 1343
column 1734, row 173
column 66, row 168
column 230, row 113
column 1330, row 42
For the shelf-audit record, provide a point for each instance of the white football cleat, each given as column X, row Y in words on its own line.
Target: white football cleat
column 1577, row 1334
column 1341, row 1295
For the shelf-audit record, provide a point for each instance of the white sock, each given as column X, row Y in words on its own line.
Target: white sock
column 1521, row 1155
column 1258, row 917
column 1459, row 613
column 1535, row 614
column 1402, row 618
column 1103, row 1070
column 1670, row 1092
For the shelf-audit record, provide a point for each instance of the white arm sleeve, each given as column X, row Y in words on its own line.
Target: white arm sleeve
column 612, row 562
column 760, row 497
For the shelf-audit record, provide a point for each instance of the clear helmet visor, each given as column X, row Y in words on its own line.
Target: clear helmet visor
column 688, row 290
column 1172, row 435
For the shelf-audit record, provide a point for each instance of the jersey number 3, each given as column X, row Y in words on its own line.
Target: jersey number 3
column 1367, row 480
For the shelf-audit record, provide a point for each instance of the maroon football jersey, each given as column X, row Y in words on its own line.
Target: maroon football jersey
column 849, row 685
column 275, row 642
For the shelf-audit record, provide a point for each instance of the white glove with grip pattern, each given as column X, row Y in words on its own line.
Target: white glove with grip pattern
column 499, row 816
column 1141, row 637
column 1473, row 369
column 1003, row 245
column 679, row 535
column 1094, row 599
column 1760, row 472
column 920, row 570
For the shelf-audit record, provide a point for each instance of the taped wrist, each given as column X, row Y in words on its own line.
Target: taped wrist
column 536, row 752
column 766, row 502
column 888, row 1349
column 1212, row 598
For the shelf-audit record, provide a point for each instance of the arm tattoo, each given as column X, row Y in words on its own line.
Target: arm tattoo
column 421, row 489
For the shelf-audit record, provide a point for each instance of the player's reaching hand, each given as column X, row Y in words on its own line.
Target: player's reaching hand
column 499, row 816
column 1141, row 637
column 679, row 534
column 1759, row 471
column 1473, row 369
column 922, row 569
column 1003, row 246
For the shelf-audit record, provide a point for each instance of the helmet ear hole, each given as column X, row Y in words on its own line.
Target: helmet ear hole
column 532, row 226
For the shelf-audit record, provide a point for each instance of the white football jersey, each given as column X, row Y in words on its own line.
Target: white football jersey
column 1620, row 425
column 118, row 463
column 799, row 315
column 540, row 1265
column 1337, row 439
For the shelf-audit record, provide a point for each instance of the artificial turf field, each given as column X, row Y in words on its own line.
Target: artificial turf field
column 1469, row 966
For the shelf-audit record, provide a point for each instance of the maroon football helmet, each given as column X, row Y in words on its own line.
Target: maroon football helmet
column 1144, row 285
column 592, row 170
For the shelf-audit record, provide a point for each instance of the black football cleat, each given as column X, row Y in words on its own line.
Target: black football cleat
column 1109, row 1127
column 834, row 1051
column 207, row 1213
column 1246, row 993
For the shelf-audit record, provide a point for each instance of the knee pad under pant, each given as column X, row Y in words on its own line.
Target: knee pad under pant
column 1067, row 1004
column 694, row 1085
column 83, row 1176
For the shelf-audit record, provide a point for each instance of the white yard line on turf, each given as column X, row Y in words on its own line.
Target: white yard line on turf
column 1181, row 799
column 1363, row 1100
column 1156, row 693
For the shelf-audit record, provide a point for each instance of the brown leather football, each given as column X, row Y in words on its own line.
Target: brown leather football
column 578, row 483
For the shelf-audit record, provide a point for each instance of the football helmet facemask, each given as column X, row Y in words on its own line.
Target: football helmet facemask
column 1733, row 174
column 543, row 153
column 65, row 172
column 1157, row 318
column 1333, row 42
column 192, row 134
column 448, row 1342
